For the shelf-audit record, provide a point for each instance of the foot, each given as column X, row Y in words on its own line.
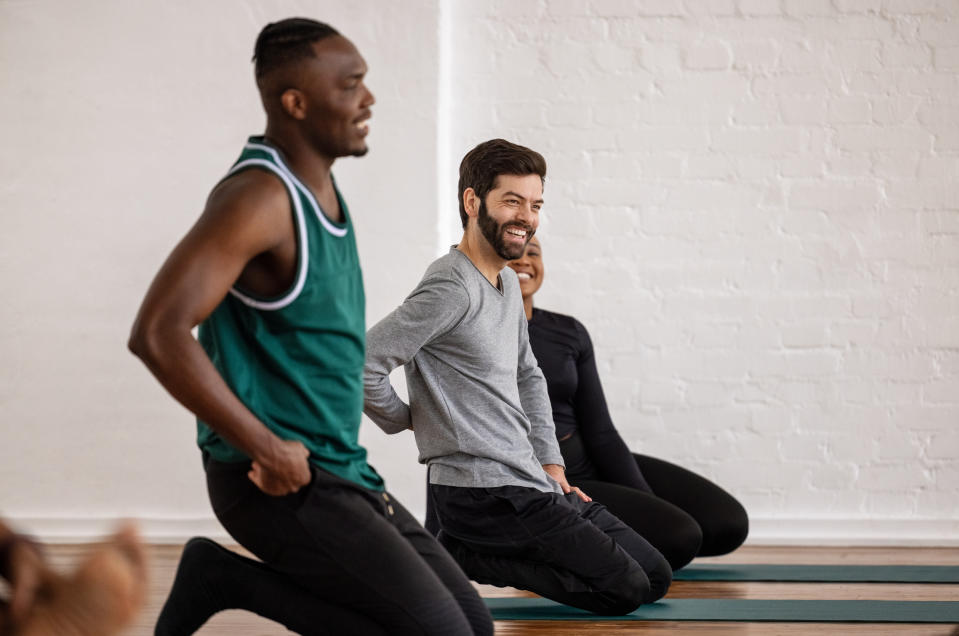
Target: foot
column 206, row 582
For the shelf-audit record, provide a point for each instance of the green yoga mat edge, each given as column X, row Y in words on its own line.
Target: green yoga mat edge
column 819, row 573
column 740, row 610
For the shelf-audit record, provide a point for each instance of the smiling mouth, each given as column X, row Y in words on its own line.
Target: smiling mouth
column 523, row 276
column 518, row 233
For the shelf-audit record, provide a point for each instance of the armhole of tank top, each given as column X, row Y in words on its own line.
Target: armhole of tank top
column 303, row 252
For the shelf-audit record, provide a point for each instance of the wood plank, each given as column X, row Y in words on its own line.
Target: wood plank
column 164, row 560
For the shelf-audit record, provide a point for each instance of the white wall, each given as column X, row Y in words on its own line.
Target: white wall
column 117, row 118
column 752, row 205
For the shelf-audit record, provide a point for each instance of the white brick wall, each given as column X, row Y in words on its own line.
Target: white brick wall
column 753, row 205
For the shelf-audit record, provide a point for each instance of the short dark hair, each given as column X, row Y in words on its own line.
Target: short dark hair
column 484, row 163
column 286, row 41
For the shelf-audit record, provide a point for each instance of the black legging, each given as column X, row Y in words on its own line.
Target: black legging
column 685, row 516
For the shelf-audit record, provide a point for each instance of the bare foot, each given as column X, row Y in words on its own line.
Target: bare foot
column 100, row 598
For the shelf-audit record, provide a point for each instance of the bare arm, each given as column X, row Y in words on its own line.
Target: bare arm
column 246, row 216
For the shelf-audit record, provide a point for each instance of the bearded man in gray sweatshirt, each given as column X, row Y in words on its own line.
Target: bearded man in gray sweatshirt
column 481, row 414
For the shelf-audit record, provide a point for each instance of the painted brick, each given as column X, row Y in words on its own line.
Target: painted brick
column 712, row 7
column 828, row 475
column 947, row 140
column 939, row 32
column 759, row 55
column 794, row 84
column 708, row 56
column 568, row 8
column 661, row 58
column 800, row 8
column 803, row 110
column 946, row 58
column 614, row 58
column 889, row 504
column 900, row 55
column 858, row 56
column 909, row 7
column 760, row 7
column 802, row 57
column 858, row 6
column 568, row 115
column 850, row 110
column 781, row 140
column 648, row 8
column 839, row 196
column 944, row 446
column 892, row 477
column 937, row 392
column 864, row 138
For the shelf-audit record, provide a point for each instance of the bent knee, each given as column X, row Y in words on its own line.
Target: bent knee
column 726, row 534
column 683, row 545
column 627, row 595
column 660, row 577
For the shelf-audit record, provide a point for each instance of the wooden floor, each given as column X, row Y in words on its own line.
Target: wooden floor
column 237, row 623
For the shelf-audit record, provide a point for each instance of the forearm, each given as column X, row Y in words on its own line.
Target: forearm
column 186, row 371
column 382, row 405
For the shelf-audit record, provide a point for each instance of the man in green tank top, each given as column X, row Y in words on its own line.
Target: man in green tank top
column 270, row 274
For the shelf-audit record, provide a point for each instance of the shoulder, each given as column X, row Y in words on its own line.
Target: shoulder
column 562, row 326
column 442, row 276
column 253, row 193
column 557, row 320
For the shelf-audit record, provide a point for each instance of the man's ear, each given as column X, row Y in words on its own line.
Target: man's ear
column 471, row 202
column 294, row 103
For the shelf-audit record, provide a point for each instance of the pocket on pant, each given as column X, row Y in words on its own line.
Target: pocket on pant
column 296, row 500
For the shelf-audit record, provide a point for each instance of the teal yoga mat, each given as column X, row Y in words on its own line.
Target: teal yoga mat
column 819, row 573
column 739, row 610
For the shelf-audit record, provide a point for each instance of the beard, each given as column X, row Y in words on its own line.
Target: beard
column 493, row 233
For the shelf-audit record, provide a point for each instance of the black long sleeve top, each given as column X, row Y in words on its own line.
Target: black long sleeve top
column 564, row 351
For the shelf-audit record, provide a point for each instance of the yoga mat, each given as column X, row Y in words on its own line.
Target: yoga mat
column 819, row 573
column 709, row 609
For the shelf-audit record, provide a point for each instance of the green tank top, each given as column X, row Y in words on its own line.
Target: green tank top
column 296, row 361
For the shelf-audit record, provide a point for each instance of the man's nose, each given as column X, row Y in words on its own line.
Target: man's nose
column 526, row 213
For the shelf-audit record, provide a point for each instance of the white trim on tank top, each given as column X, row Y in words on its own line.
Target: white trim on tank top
column 338, row 232
column 280, row 303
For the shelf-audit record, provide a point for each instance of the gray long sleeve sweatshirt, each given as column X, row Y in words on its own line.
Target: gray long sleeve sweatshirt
column 478, row 402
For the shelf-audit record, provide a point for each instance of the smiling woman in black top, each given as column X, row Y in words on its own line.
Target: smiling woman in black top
column 681, row 513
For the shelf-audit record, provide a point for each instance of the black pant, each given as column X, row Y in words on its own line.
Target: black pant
column 558, row 546
column 352, row 547
column 685, row 516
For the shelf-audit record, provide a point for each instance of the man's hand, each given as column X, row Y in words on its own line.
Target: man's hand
column 282, row 470
column 27, row 575
column 558, row 474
